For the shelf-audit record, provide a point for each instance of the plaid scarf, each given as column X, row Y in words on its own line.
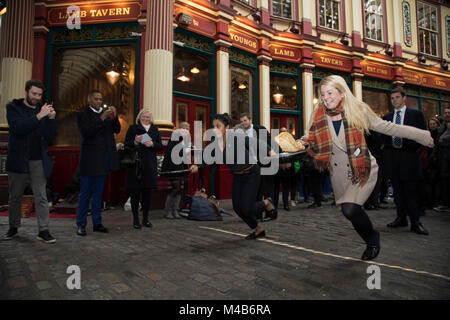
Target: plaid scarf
column 321, row 145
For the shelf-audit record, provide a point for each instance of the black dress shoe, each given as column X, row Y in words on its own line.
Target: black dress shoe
column 314, row 205
column 100, row 228
column 373, row 249
column 137, row 225
column 253, row 235
column 371, row 253
column 398, row 222
column 286, row 207
column 419, row 229
column 370, row 207
column 81, row 231
column 147, row 224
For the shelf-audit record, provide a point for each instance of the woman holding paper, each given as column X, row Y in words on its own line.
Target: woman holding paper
column 336, row 140
column 143, row 177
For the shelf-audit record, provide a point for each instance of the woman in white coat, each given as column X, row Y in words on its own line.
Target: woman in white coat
column 336, row 138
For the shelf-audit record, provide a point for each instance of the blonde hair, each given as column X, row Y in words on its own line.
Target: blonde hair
column 356, row 111
column 144, row 110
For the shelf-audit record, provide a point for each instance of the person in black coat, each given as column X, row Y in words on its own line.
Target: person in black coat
column 266, row 186
column 402, row 165
column 179, row 136
column 143, row 177
column 98, row 155
column 31, row 128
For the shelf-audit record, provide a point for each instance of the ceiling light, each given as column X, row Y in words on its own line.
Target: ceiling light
column 182, row 77
column 195, row 70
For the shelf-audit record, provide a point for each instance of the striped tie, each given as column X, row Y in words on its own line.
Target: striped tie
column 397, row 140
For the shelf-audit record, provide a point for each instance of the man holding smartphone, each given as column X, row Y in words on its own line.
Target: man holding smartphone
column 31, row 127
column 98, row 155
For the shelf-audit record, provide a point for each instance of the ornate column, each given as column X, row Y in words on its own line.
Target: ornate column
column 158, row 70
column 307, row 94
column 357, row 76
column 222, row 44
column 40, row 30
column 16, row 51
column 264, row 59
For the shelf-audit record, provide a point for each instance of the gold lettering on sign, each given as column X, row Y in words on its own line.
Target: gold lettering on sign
column 284, row 52
column 377, row 70
column 440, row 83
column 195, row 22
column 110, row 12
column 332, row 61
column 243, row 40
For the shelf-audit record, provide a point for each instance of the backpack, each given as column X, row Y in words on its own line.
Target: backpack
column 202, row 209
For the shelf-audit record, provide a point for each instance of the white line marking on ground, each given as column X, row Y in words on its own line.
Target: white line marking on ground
column 332, row 255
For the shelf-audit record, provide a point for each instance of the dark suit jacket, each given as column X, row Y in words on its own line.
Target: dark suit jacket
column 20, row 125
column 271, row 144
column 407, row 166
column 97, row 142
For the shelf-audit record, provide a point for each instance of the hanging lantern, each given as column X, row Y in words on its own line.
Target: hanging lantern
column 112, row 76
column 182, row 76
column 277, row 96
column 195, row 70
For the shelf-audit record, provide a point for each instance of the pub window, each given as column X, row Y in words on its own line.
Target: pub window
column 377, row 94
column 447, row 27
column 78, row 70
column 329, row 14
column 282, row 8
column 191, row 72
column 430, row 108
column 378, row 100
column 373, row 15
column 428, row 28
column 245, row 1
column 241, row 92
column 283, row 92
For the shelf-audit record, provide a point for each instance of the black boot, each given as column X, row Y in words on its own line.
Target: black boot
column 136, row 223
column 145, row 221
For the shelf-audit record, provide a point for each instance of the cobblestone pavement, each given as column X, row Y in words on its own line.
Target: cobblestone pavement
column 307, row 255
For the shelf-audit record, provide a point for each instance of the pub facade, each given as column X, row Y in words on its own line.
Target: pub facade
column 187, row 60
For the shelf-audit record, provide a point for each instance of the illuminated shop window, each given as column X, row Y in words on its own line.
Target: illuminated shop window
column 191, row 73
column 80, row 69
column 329, row 13
column 241, row 92
column 283, row 92
column 373, row 15
column 282, row 8
column 427, row 20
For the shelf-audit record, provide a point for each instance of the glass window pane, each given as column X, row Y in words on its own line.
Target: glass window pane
column 283, row 92
column 241, row 88
column 80, row 70
column 430, row 108
column 378, row 100
column 191, row 72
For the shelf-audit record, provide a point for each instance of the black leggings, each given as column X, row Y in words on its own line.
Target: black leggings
column 142, row 195
column 244, row 192
column 361, row 222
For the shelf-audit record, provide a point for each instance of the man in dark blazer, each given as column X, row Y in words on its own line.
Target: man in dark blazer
column 402, row 164
column 267, row 181
column 31, row 127
column 98, row 155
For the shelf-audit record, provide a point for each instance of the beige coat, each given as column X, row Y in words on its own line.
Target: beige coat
column 341, row 174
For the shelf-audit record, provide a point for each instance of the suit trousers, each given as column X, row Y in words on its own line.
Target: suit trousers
column 286, row 183
column 17, row 184
column 244, row 192
column 91, row 187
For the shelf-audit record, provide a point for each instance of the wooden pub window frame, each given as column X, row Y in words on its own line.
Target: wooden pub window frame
column 342, row 28
column 385, row 39
column 439, row 31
